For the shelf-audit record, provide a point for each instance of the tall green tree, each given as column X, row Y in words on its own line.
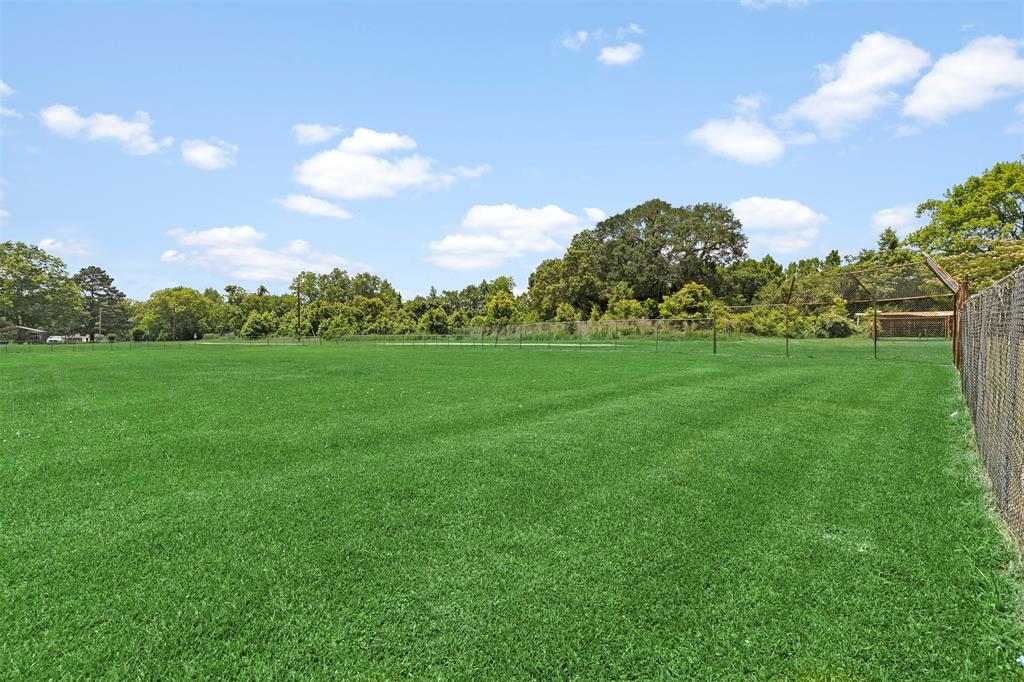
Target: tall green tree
column 745, row 278
column 175, row 314
column 984, row 207
column 35, row 289
column 656, row 248
column 104, row 303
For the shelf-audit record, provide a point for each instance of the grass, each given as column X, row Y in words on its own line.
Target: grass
column 387, row 512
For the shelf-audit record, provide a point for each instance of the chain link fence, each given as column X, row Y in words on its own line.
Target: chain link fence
column 992, row 332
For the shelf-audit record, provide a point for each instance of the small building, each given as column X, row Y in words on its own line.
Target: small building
column 16, row 333
column 928, row 323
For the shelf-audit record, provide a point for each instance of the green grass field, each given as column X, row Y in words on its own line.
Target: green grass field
column 222, row 511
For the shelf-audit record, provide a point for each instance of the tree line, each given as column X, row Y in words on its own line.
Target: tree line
column 654, row 260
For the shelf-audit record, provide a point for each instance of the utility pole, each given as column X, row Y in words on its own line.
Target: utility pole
column 298, row 308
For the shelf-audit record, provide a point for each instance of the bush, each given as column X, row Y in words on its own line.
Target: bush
column 835, row 323
column 692, row 300
column 258, row 325
column 831, row 325
column 566, row 313
column 336, row 327
column 435, row 321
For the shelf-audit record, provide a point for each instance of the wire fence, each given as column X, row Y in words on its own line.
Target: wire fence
column 767, row 331
column 992, row 332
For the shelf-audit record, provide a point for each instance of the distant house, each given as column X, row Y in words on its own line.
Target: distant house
column 16, row 333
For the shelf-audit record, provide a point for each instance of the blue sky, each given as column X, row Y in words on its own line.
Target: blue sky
column 446, row 143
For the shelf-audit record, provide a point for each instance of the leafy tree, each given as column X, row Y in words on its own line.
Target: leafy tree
column 692, row 300
column 744, row 278
column 336, row 327
column 500, row 307
column 566, row 313
column 980, row 270
column 832, row 260
column 656, row 247
column 176, row 314
column 370, row 286
column 103, row 302
column 569, row 280
column 290, row 325
column 391, row 320
column 458, row 319
column 259, row 324
column 435, row 321
column 834, row 322
column 35, row 290
column 972, row 214
column 622, row 305
column 889, row 251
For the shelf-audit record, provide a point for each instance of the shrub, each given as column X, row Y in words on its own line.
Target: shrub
column 692, row 300
column 258, row 325
column 566, row 313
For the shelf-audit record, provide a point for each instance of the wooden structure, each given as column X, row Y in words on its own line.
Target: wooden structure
column 16, row 333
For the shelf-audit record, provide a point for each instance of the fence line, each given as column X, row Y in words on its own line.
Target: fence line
column 992, row 333
column 727, row 334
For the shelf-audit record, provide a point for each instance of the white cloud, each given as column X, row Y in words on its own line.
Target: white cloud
column 312, row 133
column 373, row 143
column 576, row 41
column 495, row 234
column 7, row 112
column 135, row 136
column 900, row 218
column 594, row 215
column 5, row 89
column 212, row 154
column 742, row 139
column 764, row 4
column 620, row 55
column 69, row 247
column 777, row 225
column 63, row 120
column 236, row 252
column 472, row 172
column 358, row 168
column 987, row 68
column 4, row 215
column 243, row 235
column 302, row 203
column 859, row 84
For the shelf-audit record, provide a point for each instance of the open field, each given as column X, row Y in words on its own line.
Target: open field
column 357, row 509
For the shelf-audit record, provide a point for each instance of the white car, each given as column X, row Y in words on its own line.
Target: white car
column 55, row 339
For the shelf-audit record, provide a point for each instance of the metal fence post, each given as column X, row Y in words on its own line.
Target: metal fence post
column 874, row 325
column 714, row 334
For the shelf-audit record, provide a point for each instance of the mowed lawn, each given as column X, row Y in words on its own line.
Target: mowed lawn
column 494, row 513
